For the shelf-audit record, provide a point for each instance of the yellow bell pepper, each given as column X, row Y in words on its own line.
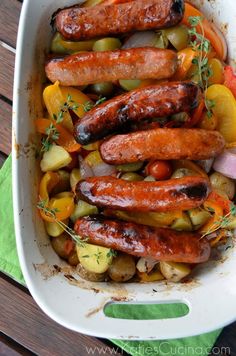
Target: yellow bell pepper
column 63, row 205
column 78, row 97
column 54, row 102
column 224, row 108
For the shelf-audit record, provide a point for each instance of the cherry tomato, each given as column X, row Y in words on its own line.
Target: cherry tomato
column 159, row 170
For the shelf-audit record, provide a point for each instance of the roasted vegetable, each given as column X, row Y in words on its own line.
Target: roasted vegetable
column 96, row 259
column 122, row 268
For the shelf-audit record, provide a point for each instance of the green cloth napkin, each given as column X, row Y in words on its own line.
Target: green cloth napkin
column 9, row 264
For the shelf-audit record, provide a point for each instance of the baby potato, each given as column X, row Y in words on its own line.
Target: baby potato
column 129, row 167
column 131, row 177
column 96, row 259
column 107, row 44
column 58, row 244
column 53, row 228
column 55, row 158
column 183, row 172
column 223, row 183
column 178, row 36
column 198, row 217
column 83, row 209
column 73, row 258
column 182, row 223
column 122, row 268
column 174, row 271
column 103, row 89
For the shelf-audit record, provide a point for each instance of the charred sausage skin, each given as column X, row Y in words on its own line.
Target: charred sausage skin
column 108, row 66
column 118, row 113
column 163, row 144
column 77, row 23
column 174, row 194
column 139, row 240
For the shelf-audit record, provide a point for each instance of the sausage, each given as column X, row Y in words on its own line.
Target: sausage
column 164, row 144
column 77, row 23
column 150, row 102
column 108, row 66
column 144, row 241
column 174, row 194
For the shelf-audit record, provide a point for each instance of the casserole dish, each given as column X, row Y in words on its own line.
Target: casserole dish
column 72, row 302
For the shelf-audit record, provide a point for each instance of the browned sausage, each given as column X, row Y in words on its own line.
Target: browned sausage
column 108, row 66
column 174, row 194
column 139, row 240
column 162, row 143
column 84, row 23
column 145, row 103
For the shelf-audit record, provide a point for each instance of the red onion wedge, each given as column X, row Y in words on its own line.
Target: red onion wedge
column 226, row 164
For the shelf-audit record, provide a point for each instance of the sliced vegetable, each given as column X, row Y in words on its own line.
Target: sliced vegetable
column 85, row 169
column 141, row 39
column 150, row 219
column 208, row 122
column 54, row 102
column 107, row 44
column 153, row 276
column 131, row 177
column 77, row 99
column 217, row 40
column 185, row 59
column 174, row 271
column 182, row 223
column 54, row 229
column 96, row 259
column 75, row 177
column 224, row 108
column 92, row 146
column 205, row 164
column 102, row 89
column 217, row 69
column 159, row 169
column 230, row 79
column 83, row 209
column 189, row 165
column 146, row 264
column 131, row 84
column 63, row 184
column 198, row 217
column 65, row 138
column 99, row 167
column 214, row 222
column 161, row 40
column 224, row 184
column 129, row 167
column 226, row 164
column 62, row 205
column 61, row 46
column 196, row 116
column 219, row 197
column 55, row 158
column 122, row 268
column 178, row 36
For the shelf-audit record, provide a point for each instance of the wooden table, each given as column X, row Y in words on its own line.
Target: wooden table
column 24, row 328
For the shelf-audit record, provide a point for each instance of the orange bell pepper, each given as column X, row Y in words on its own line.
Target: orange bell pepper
column 153, row 276
column 209, row 32
column 220, row 200
column 185, row 59
column 62, row 205
column 65, row 139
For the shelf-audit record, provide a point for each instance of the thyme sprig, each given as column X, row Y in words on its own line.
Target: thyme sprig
column 202, row 46
column 223, row 222
column 43, row 205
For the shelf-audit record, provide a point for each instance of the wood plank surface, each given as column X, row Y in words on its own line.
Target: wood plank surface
column 8, row 347
column 29, row 326
column 2, row 159
column 5, row 127
column 9, row 18
column 7, row 61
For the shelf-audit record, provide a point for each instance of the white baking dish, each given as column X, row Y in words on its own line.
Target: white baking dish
column 211, row 298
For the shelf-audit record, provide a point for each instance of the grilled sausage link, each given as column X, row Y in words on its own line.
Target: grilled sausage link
column 164, row 144
column 108, row 66
column 85, row 23
column 139, row 240
column 146, row 103
column 174, row 194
